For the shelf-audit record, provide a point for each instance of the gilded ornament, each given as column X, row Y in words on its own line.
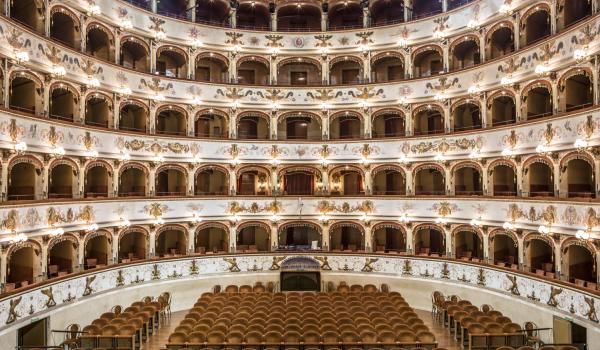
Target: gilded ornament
column 553, row 293
column 407, row 268
column 194, row 268
column 481, row 277
column 50, row 295
column 368, row 267
column 12, row 311
column 591, row 313
column 120, row 280
column 233, row 265
column 155, row 272
column 514, row 287
column 275, row 265
column 88, row 285
column 324, row 262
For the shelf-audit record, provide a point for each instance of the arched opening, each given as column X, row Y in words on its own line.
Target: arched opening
column 25, row 95
column 541, row 179
column 465, row 54
column 171, row 181
column 97, row 110
column 251, row 71
column 298, row 182
column 299, row 237
column 171, row 242
column 132, row 182
column 578, row 93
column 429, row 181
column 133, row 245
column 580, row 182
column 503, row 110
column 28, row 12
column 171, row 62
column 99, row 43
column 505, row 251
column 466, row 116
column 299, row 18
column 134, row 55
column 347, row 182
column 211, row 240
column 173, row 8
column 345, row 15
column 468, row 245
column 24, row 181
column 430, row 241
column 299, row 72
column 467, row 181
column 299, row 126
column 253, row 128
column 211, row 125
column 97, row 251
column 389, row 239
column 133, row 117
column 171, row 121
column 504, row 180
column 345, row 71
column 253, row 182
column 211, row 181
column 254, row 238
column 252, row 15
column 538, row 103
column 346, row 238
column 429, row 121
column 388, row 124
column 62, row 258
column 388, row 67
column 427, row 63
column 573, row 11
column 385, row 12
column 579, row 265
column 62, row 182
column 426, row 8
column 64, row 29
column 536, row 27
column 345, row 126
column 63, row 103
column 211, row 68
column 539, row 257
column 389, row 181
column 213, row 12
column 501, row 42
column 23, row 267
column 97, row 181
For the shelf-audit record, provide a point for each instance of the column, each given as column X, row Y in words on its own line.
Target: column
column 191, row 65
column 444, row 5
column 553, row 19
column 274, row 181
column 326, row 126
column 518, row 104
column 447, row 115
column 191, row 232
column 274, row 21
column 191, row 6
column 117, row 49
column 366, row 17
column 556, row 175
column 274, row 236
column 273, row 126
column 409, row 182
column 3, row 259
column 191, row 122
column 482, row 46
column 153, row 47
column 554, row 96
column 324, row 20
column 407, row 65
column 232, row 238
column 519, row 174
column 6, row 84
column 81, row 255
column 367, row 67
column 448, row 181
column 486, row 245
column 190, row 182
column 325, row 71
column 232, row 69
column 368, row 238
column 557, row 259
column 368, row 182
column 232, row 182
column 368, row 124
column 448, row 235
column 45, row 181
column 409, row 238
column 446, row 57
column 115, row 182
column 44, row 263
column 4, row 184
column 232, row 124
column 81, row 181
column 151, row 182
column 407, row 10
column 152, row 117
column 154, row 5
column 517, row 27
column 597, row 175
column 408, row 122
column 325, row 180
column 233, row 17
column 325, row 238
column 594, row 82
column 273, row 70
column 484, row 180
column 152, row 243
column 484, row 110
column 521, row 252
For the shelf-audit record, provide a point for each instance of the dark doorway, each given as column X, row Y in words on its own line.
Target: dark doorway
column 300, row 282
column 34, row 334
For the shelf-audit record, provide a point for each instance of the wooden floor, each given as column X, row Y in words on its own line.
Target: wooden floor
column 443, row 337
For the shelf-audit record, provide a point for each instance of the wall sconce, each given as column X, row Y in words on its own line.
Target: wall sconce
column 541, row 69
column 20, row 147
column 160, row 35
column 508, row 226
column 505, row 81
column 439, row 157
column 403, row 159
column 125, row 157
column 581, row 144
column 472, row 24
column 475, row 222
column 402, row 42
column 196, row 101
column 124, row 223
column 365, row 218
column 474, row 90
column 404, row 218
column 324, row 163
column 475, row 155
column 441, row 220
column 542, row 149
column 507, row 153
column 158, row 158
column 544, row 229
column 580, row 55
column 92, row 154
column 274, row 52
column 324, row 52
column 92, row 227
column 275, row 218
column 22, row 56
column 234, row 219
column 364, row 49
column 59, row 71
column 196, row 219
column 94, row 10
column 235, row 162
column 126, row 91
column 438, row 34
column 59, row 231
column 58, row 152
column 126, row 24
column 274, row 162
column 159, row 221
column 158, row 97
column 197, row 43
column 584, row 235
column 93, row 82
column 440, row 97
column 324, row 218
column 505, row 9
column 18, row 238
